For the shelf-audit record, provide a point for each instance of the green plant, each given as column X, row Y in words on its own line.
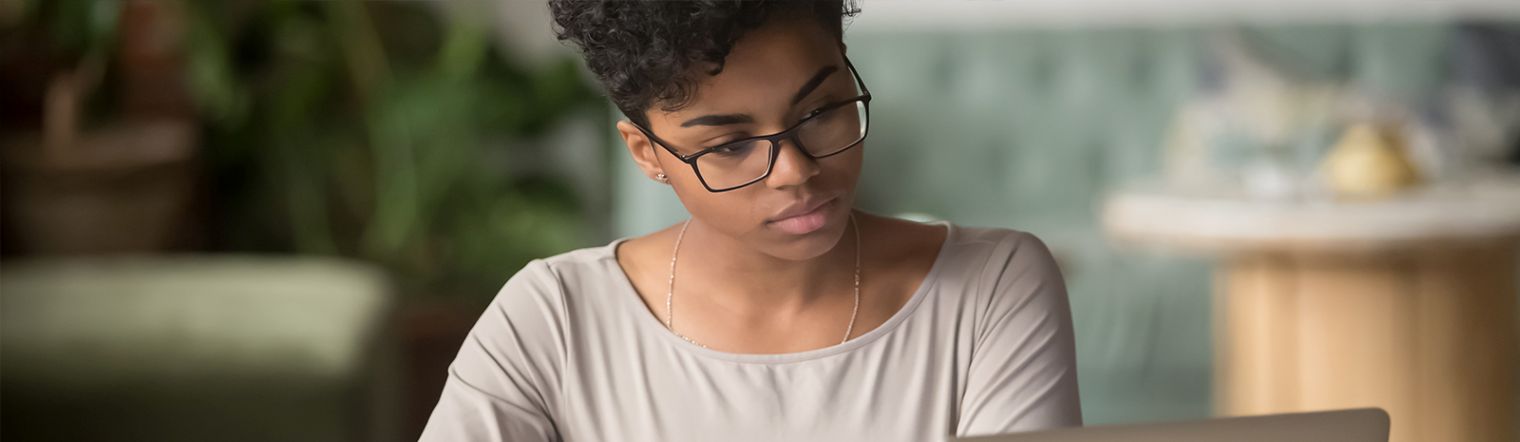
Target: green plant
column 66, row 31
column 53, row 54
column 383, row 131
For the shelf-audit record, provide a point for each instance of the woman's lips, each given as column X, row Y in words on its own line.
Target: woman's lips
column 807, row 222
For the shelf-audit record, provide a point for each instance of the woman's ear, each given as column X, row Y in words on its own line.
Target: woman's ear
column 643, row 151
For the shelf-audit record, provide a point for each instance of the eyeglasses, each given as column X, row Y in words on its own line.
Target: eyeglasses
column 824, row 132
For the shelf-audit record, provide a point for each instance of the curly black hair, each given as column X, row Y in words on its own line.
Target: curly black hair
column 645, row 52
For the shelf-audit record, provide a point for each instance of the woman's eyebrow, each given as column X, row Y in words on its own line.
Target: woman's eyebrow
column 727, row 119
column 807, row 88
column 718, row 120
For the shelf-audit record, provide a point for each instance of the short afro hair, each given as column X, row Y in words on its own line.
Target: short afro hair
column 645, row 52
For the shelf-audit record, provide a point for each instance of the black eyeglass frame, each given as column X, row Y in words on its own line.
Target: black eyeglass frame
column 775, row 139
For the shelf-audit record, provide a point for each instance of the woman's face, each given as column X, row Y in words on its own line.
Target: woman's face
column 774, row 76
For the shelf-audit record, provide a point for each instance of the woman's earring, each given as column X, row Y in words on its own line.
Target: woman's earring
column 661, row 178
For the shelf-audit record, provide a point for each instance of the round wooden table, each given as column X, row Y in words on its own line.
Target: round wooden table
column 1406, row 303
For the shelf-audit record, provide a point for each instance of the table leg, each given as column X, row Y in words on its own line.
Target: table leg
column 1428, row 336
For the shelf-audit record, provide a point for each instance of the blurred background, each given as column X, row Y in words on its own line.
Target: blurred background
column 277, row 219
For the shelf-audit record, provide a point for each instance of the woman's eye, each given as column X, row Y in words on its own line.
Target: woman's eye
column 822, row 115
column 720, row 146
column 732, row 149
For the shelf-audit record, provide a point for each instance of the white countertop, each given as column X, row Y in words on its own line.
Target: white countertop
column 1228, row 220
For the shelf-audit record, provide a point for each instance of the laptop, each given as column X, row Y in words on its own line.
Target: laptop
column 1354, row 425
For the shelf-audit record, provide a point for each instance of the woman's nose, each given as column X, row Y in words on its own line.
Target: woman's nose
column 793, row 166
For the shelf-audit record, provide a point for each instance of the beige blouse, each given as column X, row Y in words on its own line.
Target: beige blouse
column 568, row 351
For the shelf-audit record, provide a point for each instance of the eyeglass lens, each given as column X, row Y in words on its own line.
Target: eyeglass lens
column 822, row 135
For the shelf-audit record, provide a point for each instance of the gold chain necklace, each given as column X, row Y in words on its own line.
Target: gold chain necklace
column 670, row 317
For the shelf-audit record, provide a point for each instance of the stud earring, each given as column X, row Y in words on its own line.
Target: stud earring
column 661, row 178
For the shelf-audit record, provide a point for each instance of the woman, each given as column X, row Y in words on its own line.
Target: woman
column 777, row 311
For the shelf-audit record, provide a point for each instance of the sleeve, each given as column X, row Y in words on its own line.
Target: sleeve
column 1023, row 372
column 505, row 381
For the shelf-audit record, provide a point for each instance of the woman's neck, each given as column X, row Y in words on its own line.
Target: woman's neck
column 736, row 276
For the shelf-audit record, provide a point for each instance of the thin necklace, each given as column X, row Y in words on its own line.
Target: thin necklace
column 670, row 316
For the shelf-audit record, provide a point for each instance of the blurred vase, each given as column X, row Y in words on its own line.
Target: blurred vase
column 1369, row 162
column 129, row 187
column 126, row 184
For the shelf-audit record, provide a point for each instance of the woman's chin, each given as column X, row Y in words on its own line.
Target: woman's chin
column 818, row 238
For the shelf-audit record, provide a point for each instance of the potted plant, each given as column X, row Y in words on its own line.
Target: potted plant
column 99, row 144
column 391, row 133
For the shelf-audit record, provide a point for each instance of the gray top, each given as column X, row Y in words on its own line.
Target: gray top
column 568, row 351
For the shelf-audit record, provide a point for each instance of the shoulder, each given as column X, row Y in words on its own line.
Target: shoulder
column 546, row 282
column 1005, row 239
column 531, row 315
column 975, row 258
column 998, row 253
column 1004, row 271
column 538, row 297
column 1022, row 366
column 1010, row 249
column 518, row 349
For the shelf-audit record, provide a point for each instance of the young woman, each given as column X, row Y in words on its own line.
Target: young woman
column 777, row 311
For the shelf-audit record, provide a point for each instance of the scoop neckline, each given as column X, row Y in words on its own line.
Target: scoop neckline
column 648, row 323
